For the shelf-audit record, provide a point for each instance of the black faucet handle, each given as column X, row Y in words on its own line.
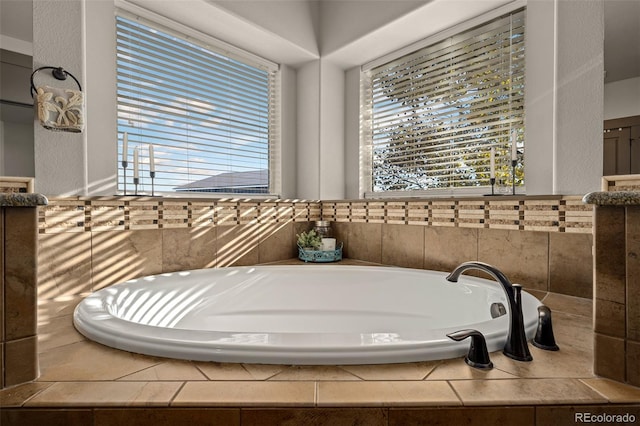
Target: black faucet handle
column 544, row 335
column 478, row 356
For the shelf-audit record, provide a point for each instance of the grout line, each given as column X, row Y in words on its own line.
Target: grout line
column 34, row 395
column 136, row 372
column 548, row 262
column 581, row 380
column 173, row 398
column 455, row 393
column 266, row 378
column 440, row 362
column 209, row 379
column 316, row 390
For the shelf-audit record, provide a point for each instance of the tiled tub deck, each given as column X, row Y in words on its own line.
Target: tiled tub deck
column 85, row 383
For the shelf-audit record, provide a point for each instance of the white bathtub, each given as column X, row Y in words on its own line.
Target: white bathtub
column 306, row 314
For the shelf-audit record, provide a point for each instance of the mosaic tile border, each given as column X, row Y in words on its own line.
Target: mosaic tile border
column 123, row 214
column 621, row 183
column 12, row 184
column 566, row 214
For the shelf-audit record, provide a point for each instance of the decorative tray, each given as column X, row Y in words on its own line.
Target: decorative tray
column 320, row 256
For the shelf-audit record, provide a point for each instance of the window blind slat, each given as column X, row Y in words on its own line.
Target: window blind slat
column 492, row 68
column 211, row 119
column 430, row 118
column 151, row 40
column 189, row 81
column 447, row 107
column 155, row 112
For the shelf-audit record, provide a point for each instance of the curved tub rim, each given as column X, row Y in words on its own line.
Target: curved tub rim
column 109, row 333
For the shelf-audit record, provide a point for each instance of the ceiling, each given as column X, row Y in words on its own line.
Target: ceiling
column 621, row 44
column 621, row 39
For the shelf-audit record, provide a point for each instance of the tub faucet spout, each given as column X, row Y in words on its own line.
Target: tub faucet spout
column 516, row 345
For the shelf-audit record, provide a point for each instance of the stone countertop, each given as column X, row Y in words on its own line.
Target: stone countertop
column 22, row 200
column 613, row 198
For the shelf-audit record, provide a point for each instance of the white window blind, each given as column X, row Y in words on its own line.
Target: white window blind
column 212, row 119
column 430, row 118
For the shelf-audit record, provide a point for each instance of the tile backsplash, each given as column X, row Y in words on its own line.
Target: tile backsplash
column 87, row 243
column 90, row 243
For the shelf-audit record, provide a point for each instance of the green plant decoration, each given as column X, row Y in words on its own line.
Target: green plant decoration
column 310, row 239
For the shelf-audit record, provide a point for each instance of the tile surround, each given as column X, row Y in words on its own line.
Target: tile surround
column 402, row 246
column 633, row 362
column 169, row 417
column 571, row 263
column 522, row 256
column 446, row 248
column 20, row 360
column 167, row 371
column 621, row 183
column 539, row 260
column 163, row 391
column 2, row 320
column 191, row 248
column 64, row 264
column 90, row 243
column 470, row 416
column 78, row 361
column 314, row 417
column 38, row 417
column 236, row 372
column 616, row 292
column 377, row 220
column 18, row 294
column 632, row 241
column 79, row 214
column 364, row 242
column 118, row 256
column 246, row 394
column 526, row 392
column 552, row 214
column 88, row 394
column 405, row 371
column 20, row 273
column 385, row 393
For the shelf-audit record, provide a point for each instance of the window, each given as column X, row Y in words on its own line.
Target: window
column 211, row 118
column 432, row 117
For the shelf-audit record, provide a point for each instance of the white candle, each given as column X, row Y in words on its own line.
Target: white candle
column 328, row 244
column 152, row 161
column 135, row 164
column 493, row 163
column 514, row 147
column 125, row 142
